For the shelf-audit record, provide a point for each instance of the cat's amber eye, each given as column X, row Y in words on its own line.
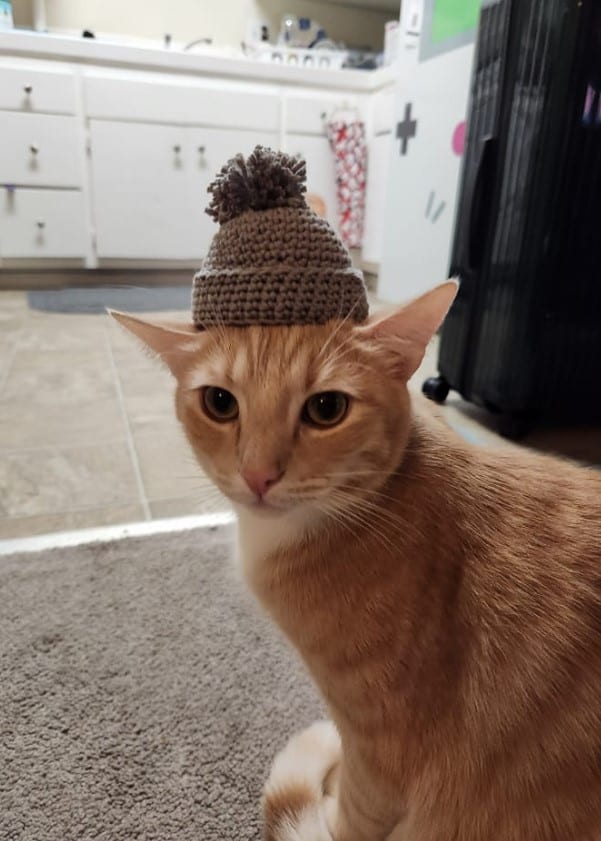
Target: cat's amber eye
column 219, row 403
column 325, row 409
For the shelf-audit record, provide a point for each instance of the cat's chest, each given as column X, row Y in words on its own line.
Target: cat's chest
column 261, row 536
column 344, row 626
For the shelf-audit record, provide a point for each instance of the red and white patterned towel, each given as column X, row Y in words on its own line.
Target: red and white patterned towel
column 347, row 140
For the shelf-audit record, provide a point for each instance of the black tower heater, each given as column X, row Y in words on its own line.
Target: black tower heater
column 523, row 337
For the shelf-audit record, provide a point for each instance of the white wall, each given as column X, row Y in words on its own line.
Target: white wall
column 225, row 21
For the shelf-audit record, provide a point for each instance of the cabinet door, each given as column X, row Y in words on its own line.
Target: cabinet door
column 150, row 186
column 142, row 196
column 321, row 171
column 380, row 149
column 210, row 148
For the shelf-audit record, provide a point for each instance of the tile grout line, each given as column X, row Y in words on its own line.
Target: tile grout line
column 7, row 451
column 129, row 439
column 11, row 358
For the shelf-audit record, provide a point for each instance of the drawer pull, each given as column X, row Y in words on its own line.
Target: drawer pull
column 202, row 150
column 177, row 148
column 28, row 89
column 34, row 149
column 41, row 224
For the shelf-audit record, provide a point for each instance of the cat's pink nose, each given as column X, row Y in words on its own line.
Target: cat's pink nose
column 260, row 481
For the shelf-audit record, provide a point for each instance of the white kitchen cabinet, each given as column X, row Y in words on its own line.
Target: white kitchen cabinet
column 379, row 151
column 40, row 150
column 321, row 171
column 156, row 137
column 149, row 186
column 161, row 99
column 309, row 114
column 142, row 200
column 210, row 148
column 42, row 224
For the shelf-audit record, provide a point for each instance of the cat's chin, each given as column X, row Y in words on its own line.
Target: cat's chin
column 264, row 508
column 268, row 510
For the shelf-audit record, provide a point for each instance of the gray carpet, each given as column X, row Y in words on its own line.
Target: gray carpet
column 96, row 299
column 142, row 695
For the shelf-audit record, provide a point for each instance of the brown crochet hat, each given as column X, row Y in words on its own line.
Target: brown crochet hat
column 273, row 260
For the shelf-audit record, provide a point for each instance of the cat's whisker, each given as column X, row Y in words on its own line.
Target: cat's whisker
column 363, row 519
column 340, row 517
column 339, row 352
column 340, row 324
column 368, row 528
column 369, row 492
column 383, row 515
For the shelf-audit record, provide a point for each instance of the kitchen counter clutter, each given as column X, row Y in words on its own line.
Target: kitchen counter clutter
column 146, row 55
column 108, row 148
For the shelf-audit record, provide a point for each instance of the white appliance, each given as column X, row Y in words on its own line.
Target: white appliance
column 435, row 66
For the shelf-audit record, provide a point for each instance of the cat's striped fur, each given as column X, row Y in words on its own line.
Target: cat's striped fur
column 446, row 599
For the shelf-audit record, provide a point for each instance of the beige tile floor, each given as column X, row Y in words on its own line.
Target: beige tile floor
column 88, row 435
column 87, row 431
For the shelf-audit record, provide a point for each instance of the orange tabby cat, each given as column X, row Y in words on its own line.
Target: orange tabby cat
column 446, row 599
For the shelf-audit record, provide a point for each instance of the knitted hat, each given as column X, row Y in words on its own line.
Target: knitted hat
column 273, row 260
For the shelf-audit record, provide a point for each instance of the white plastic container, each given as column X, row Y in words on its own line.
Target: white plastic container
column 6, row 14
column 39, row 16
column 392, row 37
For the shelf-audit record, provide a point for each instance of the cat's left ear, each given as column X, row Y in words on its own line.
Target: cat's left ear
column 173, row 343
column 405, row 333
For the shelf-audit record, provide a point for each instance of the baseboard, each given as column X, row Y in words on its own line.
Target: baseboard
column 25, row 279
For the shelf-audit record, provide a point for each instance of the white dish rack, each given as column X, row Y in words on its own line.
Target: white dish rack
column 321, row 59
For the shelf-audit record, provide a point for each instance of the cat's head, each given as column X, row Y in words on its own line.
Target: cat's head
column 286, row 418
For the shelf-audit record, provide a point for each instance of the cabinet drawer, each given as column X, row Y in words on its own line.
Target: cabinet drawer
column 188, row 104
column 42, row 91
column 308, row 115
column 39, row 150
column 42, row 223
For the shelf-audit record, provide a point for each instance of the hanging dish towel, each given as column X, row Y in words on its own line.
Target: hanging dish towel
column 347, row 139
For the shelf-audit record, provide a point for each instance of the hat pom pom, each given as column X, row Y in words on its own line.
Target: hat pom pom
column 266, row 179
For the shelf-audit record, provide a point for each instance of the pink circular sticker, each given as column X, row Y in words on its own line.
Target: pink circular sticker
column 458, row 141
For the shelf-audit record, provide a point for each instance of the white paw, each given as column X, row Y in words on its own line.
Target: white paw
column 310, row 825
column 307, row 759
column 296, row 797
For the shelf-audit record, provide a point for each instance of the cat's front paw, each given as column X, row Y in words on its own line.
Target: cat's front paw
column 302, row 777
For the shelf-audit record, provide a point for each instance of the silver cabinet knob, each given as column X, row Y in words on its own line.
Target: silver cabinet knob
column 34, row 149
column 41, row 224
column 202, row 150
column 177, row 148
column 28, row 89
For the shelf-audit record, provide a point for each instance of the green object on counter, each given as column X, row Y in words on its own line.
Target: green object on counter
column 6, row 14
column 453, row 17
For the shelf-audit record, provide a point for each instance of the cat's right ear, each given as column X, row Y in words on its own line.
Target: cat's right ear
column 404, row 334
column 173, row 343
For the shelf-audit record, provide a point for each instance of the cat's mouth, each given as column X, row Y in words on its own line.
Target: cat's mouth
column 265, row 504
column 268, row 506
column 258, row 503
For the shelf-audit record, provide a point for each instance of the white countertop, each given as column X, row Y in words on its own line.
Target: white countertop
column 25, row 43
